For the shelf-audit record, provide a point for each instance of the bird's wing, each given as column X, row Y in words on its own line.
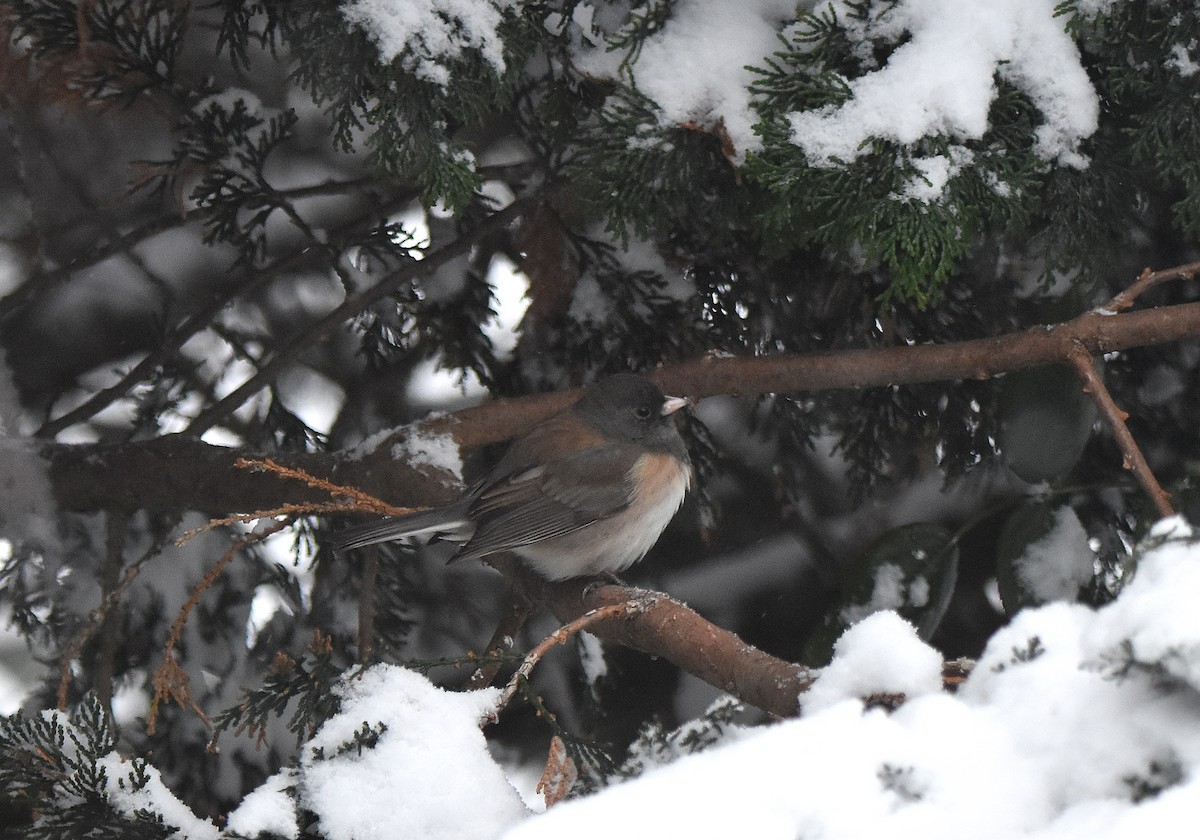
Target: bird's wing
column 450, row 520
column 550, row 500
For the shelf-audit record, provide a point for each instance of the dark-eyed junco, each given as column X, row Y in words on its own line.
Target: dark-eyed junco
column 586, row 492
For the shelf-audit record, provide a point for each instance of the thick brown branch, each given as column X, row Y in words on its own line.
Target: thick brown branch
column 173, row 474
column 978, row 359
column 664, row 627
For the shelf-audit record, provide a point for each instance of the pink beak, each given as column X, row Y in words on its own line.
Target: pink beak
column 672, row 404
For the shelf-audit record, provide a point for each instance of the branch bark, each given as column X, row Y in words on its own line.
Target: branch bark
column 174, row 474
column 178, row 474
column 662, row 626
column 1114, row 417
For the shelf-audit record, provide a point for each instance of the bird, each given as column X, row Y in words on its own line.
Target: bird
column 585, row 493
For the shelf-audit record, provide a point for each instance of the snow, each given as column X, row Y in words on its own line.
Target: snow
column 428, row 774
column 153, row 797
column 1075, row 723
column 887, row 593
column 267, row 808
column 424, row 34
column 435, row 450
column 941, row 80
column 881, row 654
column 1181, row 60
column 416, row 447
column 1057, row 565
column 694, row 68
column 592, row 661
column 1157, row 616
column 934, row 173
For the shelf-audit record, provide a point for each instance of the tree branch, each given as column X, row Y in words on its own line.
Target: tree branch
column 174, row 474
column 662, row 626
column 1093, row 386
column 347, row 310
column 901, row 365
column 243, row 283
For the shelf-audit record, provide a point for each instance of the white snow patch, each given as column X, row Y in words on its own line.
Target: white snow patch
column 887, row 593
column 1057, row 565
column 428, row 773
column 934, row 174
column 153, row 797
column 1181, row 61
column 268, row 808
column 1068, row 728
column 591, row 659
column 425, row 33
column 941, row 80
column 881, row 654
column 440, row 451
column 694, row 68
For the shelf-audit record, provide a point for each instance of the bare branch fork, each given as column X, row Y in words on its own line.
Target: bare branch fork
column 633, row 606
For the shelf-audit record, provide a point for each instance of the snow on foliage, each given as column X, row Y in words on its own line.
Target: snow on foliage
column 942, row 79
column 404, row 758
column 149, row 794
column 1076, row 723
column 881, row 654
column 268, row 808
column 424, row 34
column 695, row 67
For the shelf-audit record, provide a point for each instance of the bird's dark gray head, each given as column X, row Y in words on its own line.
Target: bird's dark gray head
column 631, row 408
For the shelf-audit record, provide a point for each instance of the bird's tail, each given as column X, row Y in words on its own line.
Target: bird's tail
column 450, row 522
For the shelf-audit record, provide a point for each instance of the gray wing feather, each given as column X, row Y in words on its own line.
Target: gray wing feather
column 450, row 520
column 549, row 501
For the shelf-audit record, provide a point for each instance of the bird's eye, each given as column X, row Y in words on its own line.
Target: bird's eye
column 642, row 412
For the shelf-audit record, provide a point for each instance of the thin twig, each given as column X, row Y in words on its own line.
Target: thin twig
column 366, row 604
column 360, row 501
column 1093, row 386
column 291, row 511
column 116, row 242
column 520, row 608
column 243, row 284
column 1147, row 280
column 98, row 616
column 633, row 606
column 169, row 679
column 363, row 501
column 106, row 648
column 348, row 309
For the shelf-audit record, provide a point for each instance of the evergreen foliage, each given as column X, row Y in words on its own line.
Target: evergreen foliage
column 194, row 187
